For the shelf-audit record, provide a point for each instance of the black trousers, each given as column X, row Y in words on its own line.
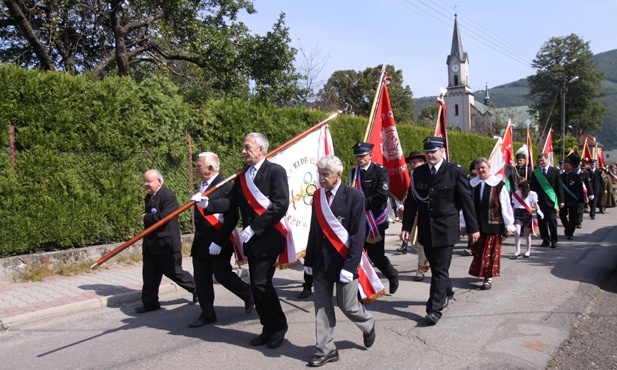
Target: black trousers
column 220, row 267
column 569, row 218
column 267, row 304
column 548, row 225
column 154, row 267
column 441, row 286
column 376, row 252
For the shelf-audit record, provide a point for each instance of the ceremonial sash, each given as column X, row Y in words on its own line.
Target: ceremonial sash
column 534, row 223
column 548, row 189
column 569, row 191
column 368, row 282
column 260, row 203
column 372, row 222
column 216, row 220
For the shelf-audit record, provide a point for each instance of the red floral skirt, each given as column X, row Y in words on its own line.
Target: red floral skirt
column 486, row 254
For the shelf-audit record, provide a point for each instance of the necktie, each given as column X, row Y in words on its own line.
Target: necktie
column 433, row 171
column 204, row 186
column 252, row 171
column 544, row 170
column 328, row 196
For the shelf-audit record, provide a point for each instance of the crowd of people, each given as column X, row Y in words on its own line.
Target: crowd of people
column 442, row 204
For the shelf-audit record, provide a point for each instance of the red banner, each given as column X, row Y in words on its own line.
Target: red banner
column 548, row 147
column 440, row 127
column 387, row 150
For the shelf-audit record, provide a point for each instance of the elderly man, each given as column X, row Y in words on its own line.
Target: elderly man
column 439, row 189
column 333, row 254
column 161, row 248
column 262, row 194
column 213, row 245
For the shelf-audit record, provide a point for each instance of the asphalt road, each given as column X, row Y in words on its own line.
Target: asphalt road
column 519, row 324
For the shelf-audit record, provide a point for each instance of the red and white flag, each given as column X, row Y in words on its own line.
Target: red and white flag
column 440, row 127
column 502, row 154
column 507, row 145
column 601, row 161
column 387, row 150
column 548, row 148
column 587, row 157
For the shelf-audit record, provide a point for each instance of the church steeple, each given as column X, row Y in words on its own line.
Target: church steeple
column 487, row 98
column 459, row 98
column 457, row 44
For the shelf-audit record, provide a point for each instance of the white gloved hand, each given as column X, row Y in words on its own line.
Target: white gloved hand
column 200, row 200
column 247, row 234
column 591, row 197
column 197, row 197
column 345, row 277
column 215, row 249
column 540, row 214
column 308, row 270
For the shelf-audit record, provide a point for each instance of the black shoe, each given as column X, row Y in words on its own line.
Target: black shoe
column 248, row 305
column 545, row 243
column 569, row 237
column 393, row 285
column 318, row 360
column 432, row 318
column 144, row 309
column 260, row 340
column 369, row 338
column 195, row 298
column 201, row 321
column 402, row 248
column 514, row 256
column 305, row 293
column 447, row 302
column 592, row 217
column 276, row 339
column 578, row 226
column 553, row 244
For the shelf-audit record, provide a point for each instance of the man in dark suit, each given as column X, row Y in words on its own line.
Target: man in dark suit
column 212, row 247
column 573, row 198
column 161, row 248
column 597, row 182
column 372, row 179
column 586, row 180
column 333, row 253
column 439, row 190
column 546, row 182
column 265, row 185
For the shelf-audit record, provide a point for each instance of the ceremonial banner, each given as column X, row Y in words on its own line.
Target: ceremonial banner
column 530, row 162
column 440, row 127
column 548, row 148
column 507, row 145
column 300, row 162
column 497, row 161
column 387, row 150
column 586, row 153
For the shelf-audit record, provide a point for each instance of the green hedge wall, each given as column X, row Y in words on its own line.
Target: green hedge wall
column 83, row 145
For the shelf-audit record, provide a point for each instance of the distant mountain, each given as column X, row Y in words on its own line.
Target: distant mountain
column 513, row 94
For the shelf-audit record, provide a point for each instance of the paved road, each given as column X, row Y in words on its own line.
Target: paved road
column 519, row 324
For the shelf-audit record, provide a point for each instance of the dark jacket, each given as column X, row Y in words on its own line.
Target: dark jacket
column 574, row 194
column 166, row 239
column 271, row 180
column 376, row 188
column 554, row 179
column 348, row 207
column 440, row 199
column 205, row 233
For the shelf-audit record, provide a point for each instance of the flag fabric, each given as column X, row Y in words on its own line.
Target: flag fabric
column 601, row 161
column 548, row 148
column 300, row 162
column 387, row 149
column 586, row 153
column 529, row 150
column 497, row 160
column 507, row 145
column 440, row 127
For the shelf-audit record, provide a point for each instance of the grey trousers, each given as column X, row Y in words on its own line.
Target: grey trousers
column 325, row 319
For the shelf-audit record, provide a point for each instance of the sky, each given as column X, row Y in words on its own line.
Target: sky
column 415, row 36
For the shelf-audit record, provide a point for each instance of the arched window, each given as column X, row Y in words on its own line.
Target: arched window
column 456, row 109
column 455, row 80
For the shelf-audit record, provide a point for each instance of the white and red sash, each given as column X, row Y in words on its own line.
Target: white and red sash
column 260, row 203
column 216, row 220
column 372, row 222
column 534, row 223
column 369, row 284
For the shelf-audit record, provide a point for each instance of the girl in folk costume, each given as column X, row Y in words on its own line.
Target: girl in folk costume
column 525, row 201
column 495, row 218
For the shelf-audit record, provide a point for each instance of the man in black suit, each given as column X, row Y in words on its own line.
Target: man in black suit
column 546, row 182
column 262, row 194
column 372, row 179
column 334, row 249
column 212, row 246
column 439, row 190
column 586, row 180
column 573, row 197
column 597, row 182
column 161, row 248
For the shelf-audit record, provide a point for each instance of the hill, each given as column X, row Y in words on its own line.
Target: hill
column 513, row 94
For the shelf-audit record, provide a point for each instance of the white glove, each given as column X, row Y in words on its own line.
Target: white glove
column 247, row 234
column 308, row 270
column 540, row 214
column 591, row 197
column 200, row 200
column 214, row 249
column 346, row 276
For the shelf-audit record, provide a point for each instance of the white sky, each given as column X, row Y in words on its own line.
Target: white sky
column 500, row 37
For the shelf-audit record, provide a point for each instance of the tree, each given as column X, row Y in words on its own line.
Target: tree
column 356, row 90
column 557, row 64
column 198, row 41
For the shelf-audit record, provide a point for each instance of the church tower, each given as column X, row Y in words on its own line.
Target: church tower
column 459, row 97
